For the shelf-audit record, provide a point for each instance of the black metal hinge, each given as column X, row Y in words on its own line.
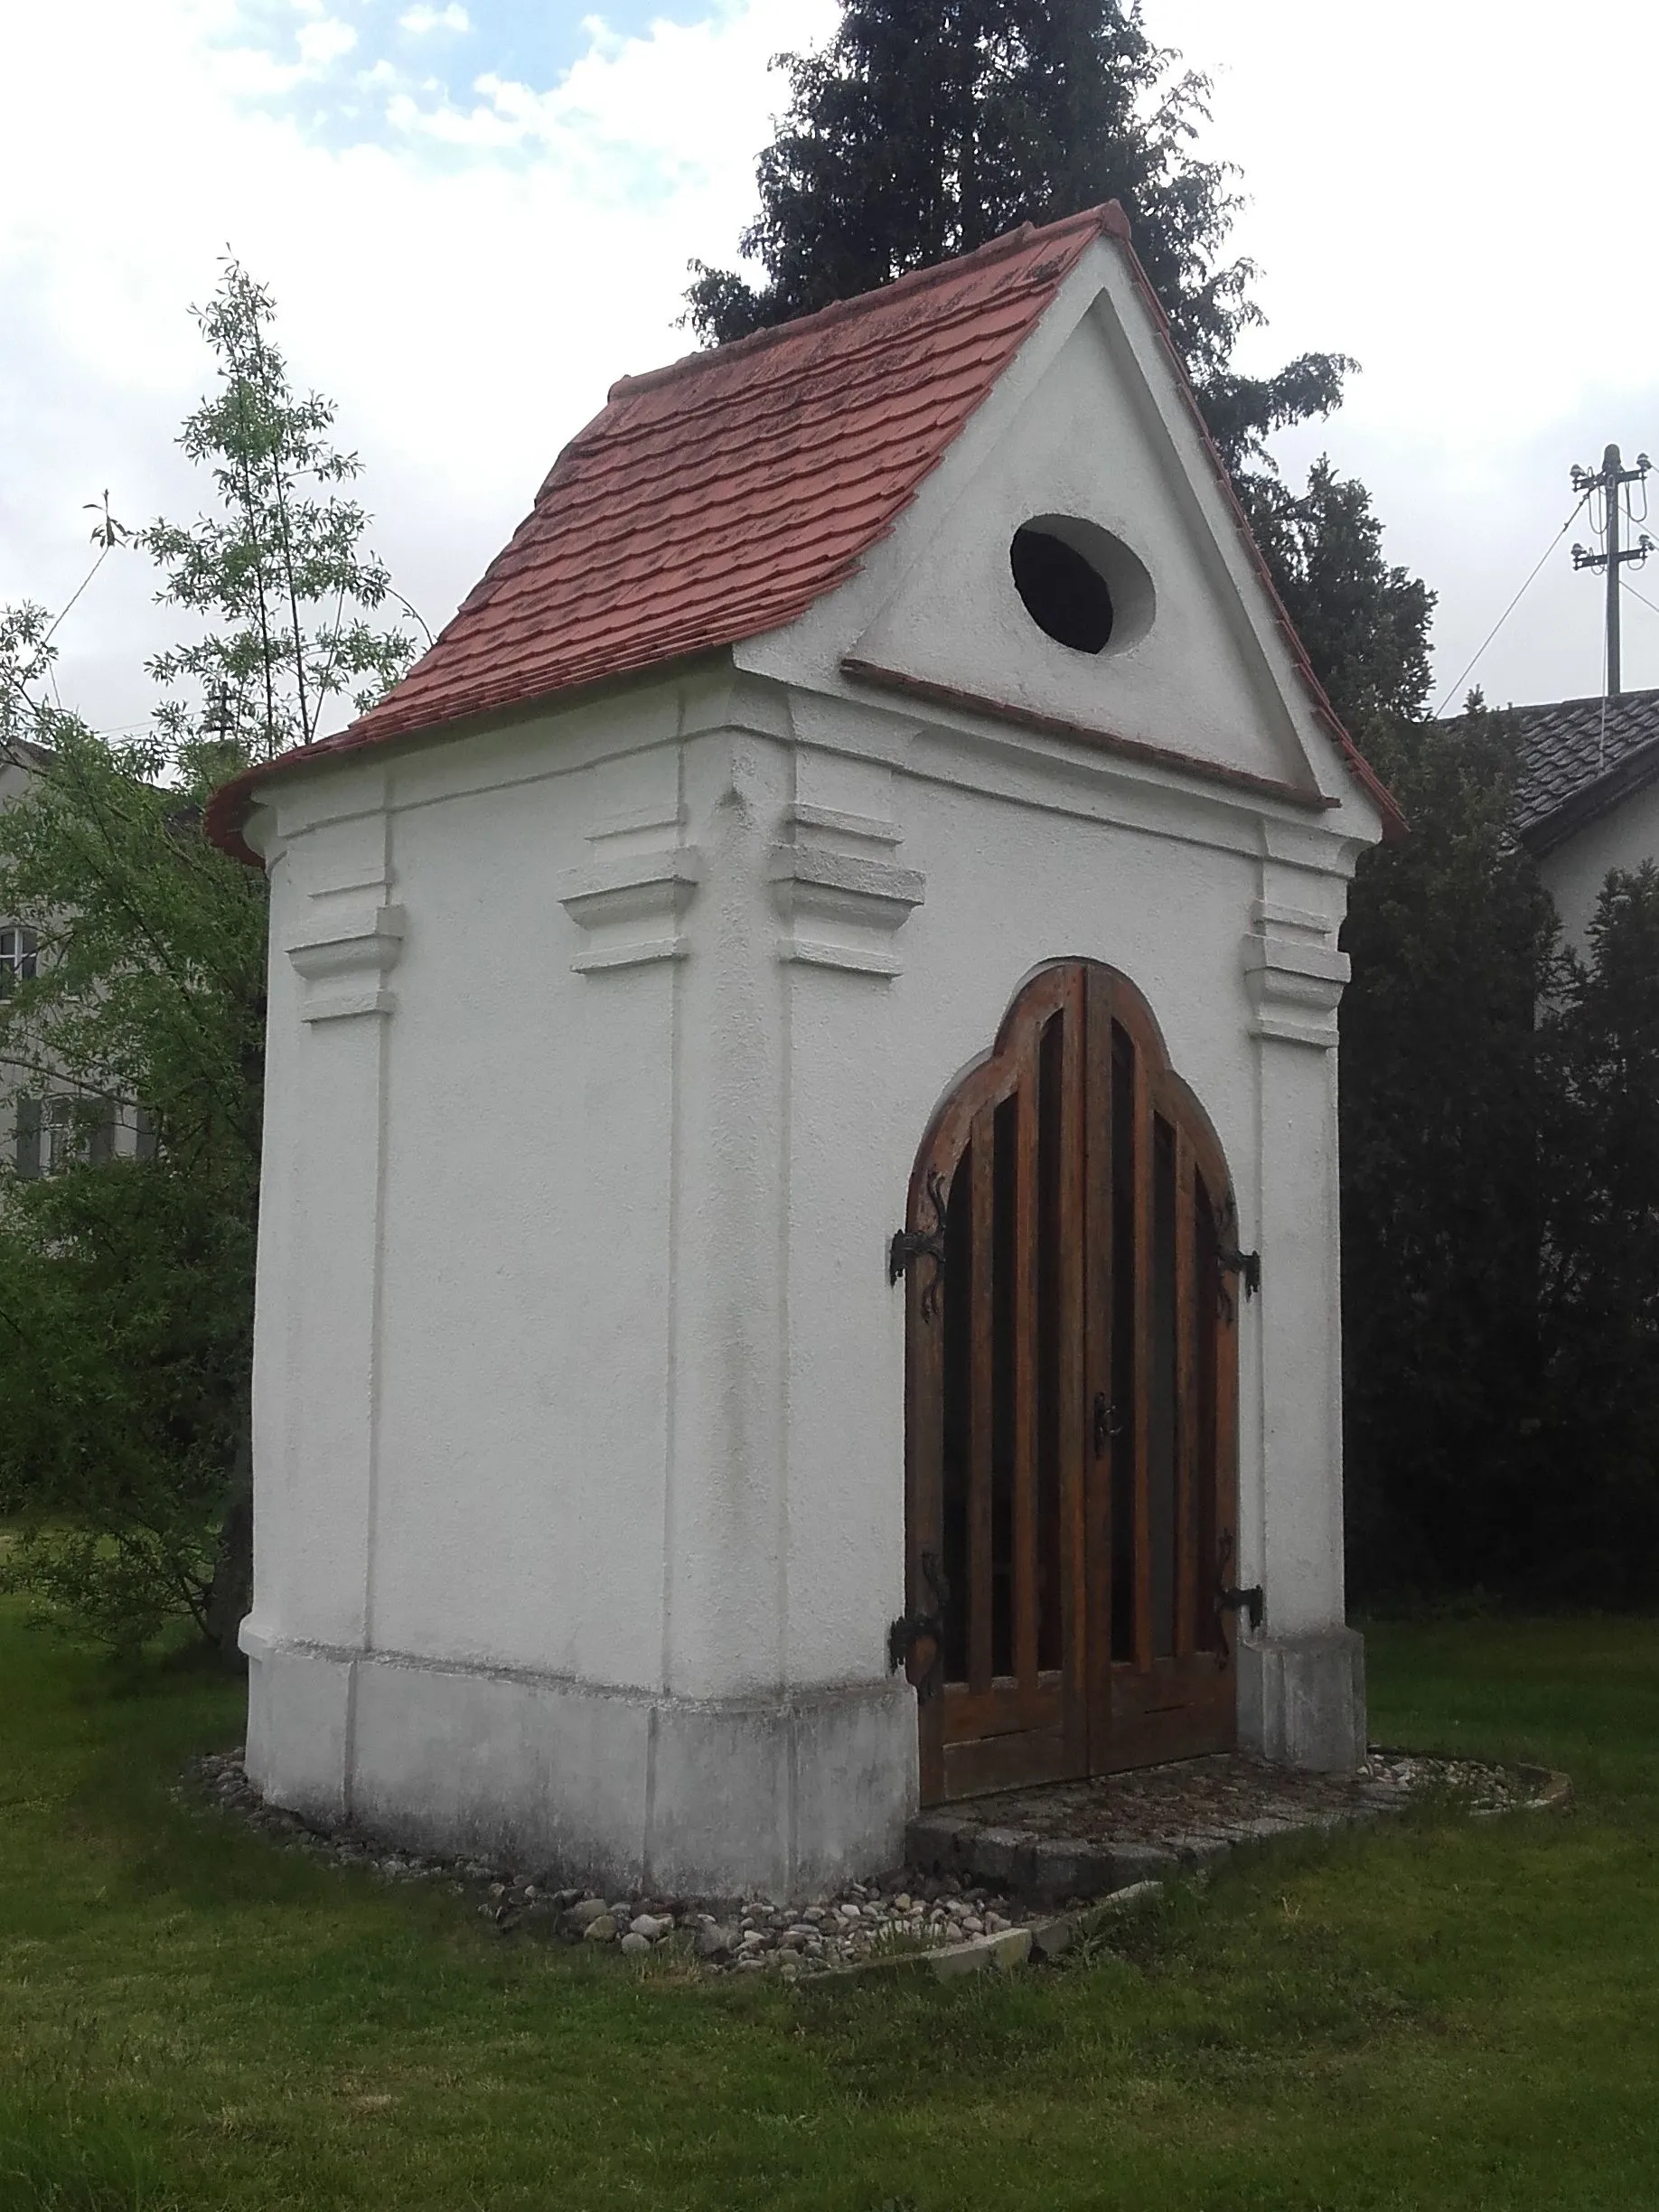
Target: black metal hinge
column 1229, row 1601
column 909, row 1245
column 1248, row 1600
column 1231, row 1261
column 912, row 1629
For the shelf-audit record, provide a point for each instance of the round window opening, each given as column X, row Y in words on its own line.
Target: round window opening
column 1082, row 587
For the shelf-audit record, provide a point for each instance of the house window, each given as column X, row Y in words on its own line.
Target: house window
column 26, row 1138
column 63, row 1138
column 54, row 1133
column 19, row 957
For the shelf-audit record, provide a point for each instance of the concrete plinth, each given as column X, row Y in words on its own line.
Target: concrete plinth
column 619, row 1789
column 1302, row 1700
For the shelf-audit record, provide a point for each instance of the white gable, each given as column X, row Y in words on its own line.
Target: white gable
column 1088, row 423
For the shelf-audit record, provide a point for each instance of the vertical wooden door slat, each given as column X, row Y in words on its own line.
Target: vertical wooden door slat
column 1073, row 1425
column 982, row 1173
column 1226, row 1514
column 1024, row 1289
column 1097, row 1354
column 1144, row 1153
column 1187, row 1402
column 925, row 1487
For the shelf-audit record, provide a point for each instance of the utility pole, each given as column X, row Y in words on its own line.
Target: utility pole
column 1610, row 481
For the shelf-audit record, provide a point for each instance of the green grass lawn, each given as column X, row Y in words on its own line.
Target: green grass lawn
column 1441, row 2014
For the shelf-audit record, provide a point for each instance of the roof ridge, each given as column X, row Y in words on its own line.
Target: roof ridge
column 1106, row 219
column 600, row 435
column 1550, row 706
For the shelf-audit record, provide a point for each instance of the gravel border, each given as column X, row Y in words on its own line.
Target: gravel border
column 947, row 1919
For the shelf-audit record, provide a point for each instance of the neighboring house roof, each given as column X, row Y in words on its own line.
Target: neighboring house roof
column 722, row 496
column 22, row 752
column 1580, row 757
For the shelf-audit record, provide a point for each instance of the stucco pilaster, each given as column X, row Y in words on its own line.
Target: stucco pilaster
column 724, row 1628
column 1301, row 1675
column 336, row 939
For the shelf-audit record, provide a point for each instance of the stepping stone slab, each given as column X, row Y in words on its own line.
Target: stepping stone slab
column 999, row 1953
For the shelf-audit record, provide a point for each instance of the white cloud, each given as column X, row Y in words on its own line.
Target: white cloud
column 1417, row 181
column 467, row 307
column 468, row 279
column 326, row 41
column 421, row 20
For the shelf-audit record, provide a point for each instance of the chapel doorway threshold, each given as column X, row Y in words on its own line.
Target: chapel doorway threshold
column 1086, row 1838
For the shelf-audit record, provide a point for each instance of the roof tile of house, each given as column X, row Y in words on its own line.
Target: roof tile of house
column 722, row 496
column 1578, row 756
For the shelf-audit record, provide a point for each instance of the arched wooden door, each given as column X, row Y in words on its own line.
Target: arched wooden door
column 1071, row 1392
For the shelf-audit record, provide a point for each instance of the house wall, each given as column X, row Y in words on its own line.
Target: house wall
column 1573, row 874
column 14, row 782
column 600, row 1050
column 126, row 1133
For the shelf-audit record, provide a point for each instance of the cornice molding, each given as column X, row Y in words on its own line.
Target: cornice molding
column 1294, row 972
column 342, row 961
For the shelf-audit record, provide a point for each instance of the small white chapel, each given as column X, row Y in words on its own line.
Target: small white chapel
column 798, row 1267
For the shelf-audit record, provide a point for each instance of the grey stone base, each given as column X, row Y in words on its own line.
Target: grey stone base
column 962, row 1840
column 1302, row 1700
column 621, row 1790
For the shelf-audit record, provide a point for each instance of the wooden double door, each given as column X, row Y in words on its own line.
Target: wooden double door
column 1072, row 1404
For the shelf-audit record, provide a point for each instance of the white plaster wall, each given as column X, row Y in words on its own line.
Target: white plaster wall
column 317, row 1281
column 1081, row 446
column 576, row 1362
column 1086, row 421
column 518, row 1520
column 1573, row 874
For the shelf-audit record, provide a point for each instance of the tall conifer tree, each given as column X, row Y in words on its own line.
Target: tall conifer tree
column 927, row 127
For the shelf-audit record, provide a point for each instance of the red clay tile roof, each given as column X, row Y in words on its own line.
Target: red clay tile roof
column 723, row 495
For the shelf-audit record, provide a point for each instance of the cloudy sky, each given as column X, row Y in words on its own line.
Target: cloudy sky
column 475, row 214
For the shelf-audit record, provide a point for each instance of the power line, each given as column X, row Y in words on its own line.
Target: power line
column 75, row 595
column 1513, row 603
